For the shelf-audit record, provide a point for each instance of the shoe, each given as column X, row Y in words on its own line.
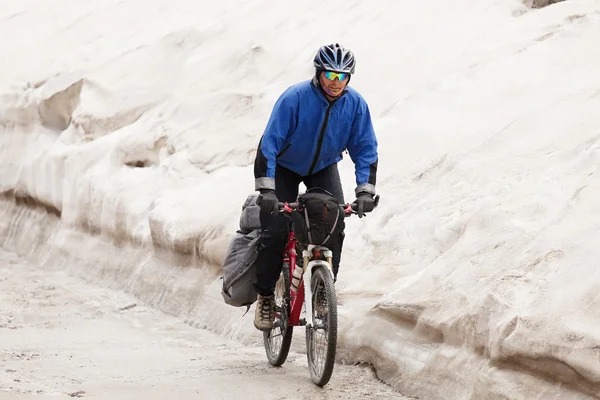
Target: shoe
column 263, row 316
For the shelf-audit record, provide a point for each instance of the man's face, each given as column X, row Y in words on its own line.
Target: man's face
column 333, row 82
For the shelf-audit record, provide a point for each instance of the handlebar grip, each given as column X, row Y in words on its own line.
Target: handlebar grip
column 354, row 205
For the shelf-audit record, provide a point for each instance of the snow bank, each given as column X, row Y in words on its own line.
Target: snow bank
column 135, row 123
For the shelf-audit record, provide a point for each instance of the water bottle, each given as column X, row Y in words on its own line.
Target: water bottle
column 296, row 277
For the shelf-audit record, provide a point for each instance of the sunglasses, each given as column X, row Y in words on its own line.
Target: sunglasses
column 332, row 75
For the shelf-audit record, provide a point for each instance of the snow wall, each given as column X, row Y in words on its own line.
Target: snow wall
column 128, row 131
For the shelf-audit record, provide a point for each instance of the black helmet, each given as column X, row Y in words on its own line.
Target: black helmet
column 334, row 57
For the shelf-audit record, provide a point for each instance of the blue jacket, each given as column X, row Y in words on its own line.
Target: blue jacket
column 307, row 133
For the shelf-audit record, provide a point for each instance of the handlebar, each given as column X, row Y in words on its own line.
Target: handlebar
column 289, row 207
column 349, row 208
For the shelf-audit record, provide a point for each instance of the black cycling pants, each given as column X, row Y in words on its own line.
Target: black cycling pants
column 275, row 228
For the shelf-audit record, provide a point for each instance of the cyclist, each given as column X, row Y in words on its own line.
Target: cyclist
column 311, row 125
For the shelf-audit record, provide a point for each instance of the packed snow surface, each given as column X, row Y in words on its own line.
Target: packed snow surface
column 63, row 337
column 137, row 123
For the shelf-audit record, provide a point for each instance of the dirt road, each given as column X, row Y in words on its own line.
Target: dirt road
column 62, row 337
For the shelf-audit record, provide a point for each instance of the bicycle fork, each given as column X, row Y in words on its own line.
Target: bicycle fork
column 307, row 278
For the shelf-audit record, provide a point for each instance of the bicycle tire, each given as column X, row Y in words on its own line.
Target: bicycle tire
column 322, row 285
column 277, row 354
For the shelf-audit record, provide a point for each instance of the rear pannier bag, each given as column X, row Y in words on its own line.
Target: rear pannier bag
column 239, row 269
column 239, row 265
column 250, row 217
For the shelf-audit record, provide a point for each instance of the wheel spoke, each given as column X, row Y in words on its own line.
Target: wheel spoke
column 277, row 341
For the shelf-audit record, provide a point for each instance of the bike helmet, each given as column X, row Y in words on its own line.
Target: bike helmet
column 336, row 58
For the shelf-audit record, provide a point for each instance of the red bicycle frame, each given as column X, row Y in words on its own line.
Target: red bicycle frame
column 296, row 298
column 289, row 255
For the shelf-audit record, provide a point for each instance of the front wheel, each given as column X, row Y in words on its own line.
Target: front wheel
column 278, row 340
column 321, row 338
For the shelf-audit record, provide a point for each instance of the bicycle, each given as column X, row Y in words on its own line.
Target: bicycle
column 318, row 298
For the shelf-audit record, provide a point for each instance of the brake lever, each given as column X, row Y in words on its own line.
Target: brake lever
column 348, row 210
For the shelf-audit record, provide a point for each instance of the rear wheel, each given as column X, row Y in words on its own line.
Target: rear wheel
column 278, row 340
column 321, row 338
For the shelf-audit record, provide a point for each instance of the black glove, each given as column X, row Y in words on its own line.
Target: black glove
column 365, row 203
column 267, row 200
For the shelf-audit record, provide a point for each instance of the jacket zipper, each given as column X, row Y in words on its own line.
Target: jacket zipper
column 320, row 141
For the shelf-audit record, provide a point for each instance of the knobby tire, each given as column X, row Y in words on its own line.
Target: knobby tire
column 321, row 366
column 277, row 350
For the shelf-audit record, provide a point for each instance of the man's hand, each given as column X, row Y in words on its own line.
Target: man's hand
column 267, row 200
column 365, row 203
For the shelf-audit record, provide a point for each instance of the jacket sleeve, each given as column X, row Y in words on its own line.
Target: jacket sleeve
column 281, row 123
column 362, row 148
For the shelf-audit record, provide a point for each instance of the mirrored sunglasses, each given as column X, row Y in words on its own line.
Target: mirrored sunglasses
column 341, row 76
